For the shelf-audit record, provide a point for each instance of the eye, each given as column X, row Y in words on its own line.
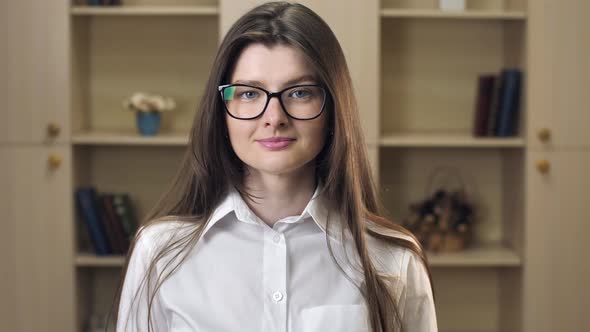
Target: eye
column 300, row 93
column 249, row 94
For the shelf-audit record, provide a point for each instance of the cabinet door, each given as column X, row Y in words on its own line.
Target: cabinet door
column 557, row 263
column 356, row 25
column 34, row 72
column 36, row 240
column 559, row 72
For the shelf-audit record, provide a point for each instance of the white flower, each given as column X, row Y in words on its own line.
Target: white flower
column 162, row 104
column 141, row 101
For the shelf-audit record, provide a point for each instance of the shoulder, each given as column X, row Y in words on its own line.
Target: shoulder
column 155, row 235
column 155, row 231
column 393, row 258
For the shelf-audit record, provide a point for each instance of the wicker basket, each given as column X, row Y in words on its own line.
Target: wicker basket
column 443, row 221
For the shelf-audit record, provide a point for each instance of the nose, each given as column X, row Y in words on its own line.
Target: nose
column 274, row 115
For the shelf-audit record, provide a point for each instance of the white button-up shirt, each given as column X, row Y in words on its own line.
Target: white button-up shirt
column 244, row 275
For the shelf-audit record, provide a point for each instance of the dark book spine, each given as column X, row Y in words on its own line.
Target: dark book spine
column 491, row 129
column 509, row 103
column 125, row 212
column 483, row 104
column 130, row 211
column 117, row 224
column 86, row 203
column 109, row 225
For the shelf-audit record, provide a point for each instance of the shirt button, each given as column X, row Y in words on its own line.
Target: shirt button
column 277, row 296
column 277, row 238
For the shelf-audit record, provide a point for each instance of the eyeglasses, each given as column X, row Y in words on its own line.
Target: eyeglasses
column 246, row 102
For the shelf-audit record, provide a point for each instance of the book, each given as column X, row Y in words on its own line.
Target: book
column 483, row 104
column 130, row 210
column 103, row 2
column 107, row 225
column 508, row 103
column 120, row 238
column 125, row 211
column 86, row 204
column 491, row 122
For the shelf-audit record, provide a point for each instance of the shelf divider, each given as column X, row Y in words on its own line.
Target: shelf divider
column 482, row 255
column 467, row 15
column 144, row 10
column 486, row 255
column 128, row 137
column 449, row 140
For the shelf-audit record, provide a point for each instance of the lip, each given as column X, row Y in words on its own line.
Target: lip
column 276, row 143
column 276, row 139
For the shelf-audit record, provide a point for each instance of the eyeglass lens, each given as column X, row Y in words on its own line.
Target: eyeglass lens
column 303, row 102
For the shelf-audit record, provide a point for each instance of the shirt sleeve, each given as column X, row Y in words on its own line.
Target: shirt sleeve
column 133, row 306
column 419, row 313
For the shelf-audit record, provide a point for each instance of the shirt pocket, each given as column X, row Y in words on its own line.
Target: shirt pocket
column 341, row 318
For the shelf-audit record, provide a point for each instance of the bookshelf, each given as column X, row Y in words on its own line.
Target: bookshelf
column 429, row 62
column 140, row 46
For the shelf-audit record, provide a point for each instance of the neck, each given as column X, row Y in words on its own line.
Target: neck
column 280, row 195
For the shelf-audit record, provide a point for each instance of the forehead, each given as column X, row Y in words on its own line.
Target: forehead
column 273, row 66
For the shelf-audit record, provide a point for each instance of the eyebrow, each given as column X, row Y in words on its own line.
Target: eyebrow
column 288, row 83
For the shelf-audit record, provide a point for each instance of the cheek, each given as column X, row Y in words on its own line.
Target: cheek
column 321, row 128
column 239, row 133
column 235, row 130
column 315, row 136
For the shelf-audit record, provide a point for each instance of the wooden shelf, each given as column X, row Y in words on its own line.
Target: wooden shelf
column 491, row 255
column 128, row 137
column 468, row 15
column 92, row 260
column 144, row 10
column 448, row 140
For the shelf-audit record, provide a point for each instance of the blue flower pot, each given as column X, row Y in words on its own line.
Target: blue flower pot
column 148, row 123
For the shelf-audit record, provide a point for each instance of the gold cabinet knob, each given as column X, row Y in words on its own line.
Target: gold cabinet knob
column 53, row 129
column 543, row 166
column 544, row 134
column 54, row 160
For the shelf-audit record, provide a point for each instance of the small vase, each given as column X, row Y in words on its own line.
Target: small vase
column 148, row 123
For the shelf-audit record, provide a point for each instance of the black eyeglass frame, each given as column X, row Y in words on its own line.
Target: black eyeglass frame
column 269, row 95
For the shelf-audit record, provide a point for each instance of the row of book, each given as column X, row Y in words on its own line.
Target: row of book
column 103, row 2
column 109, row 219
column 497, row 105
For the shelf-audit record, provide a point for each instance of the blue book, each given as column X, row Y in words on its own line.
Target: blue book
column 508, row 103
column 86, row 202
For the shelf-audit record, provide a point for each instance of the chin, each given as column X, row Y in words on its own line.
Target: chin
column 276, row 166
column 276, row 169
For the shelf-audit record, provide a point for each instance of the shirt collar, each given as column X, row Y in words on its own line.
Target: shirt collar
column 316, row 208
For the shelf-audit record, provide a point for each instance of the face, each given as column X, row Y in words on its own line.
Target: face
column 272, row 69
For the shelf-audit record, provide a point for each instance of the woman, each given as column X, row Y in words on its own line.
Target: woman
column 272, row 222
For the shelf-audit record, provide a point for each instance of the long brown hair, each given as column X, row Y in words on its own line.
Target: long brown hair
column 210, row 165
